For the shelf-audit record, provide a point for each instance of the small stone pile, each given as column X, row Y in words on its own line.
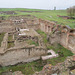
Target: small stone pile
column 59, row 68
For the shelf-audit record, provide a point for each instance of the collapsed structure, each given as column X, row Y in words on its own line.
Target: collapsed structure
column 59, row 34
column 20, row 31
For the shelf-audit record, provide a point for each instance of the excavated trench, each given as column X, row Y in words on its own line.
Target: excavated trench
column 47, row 27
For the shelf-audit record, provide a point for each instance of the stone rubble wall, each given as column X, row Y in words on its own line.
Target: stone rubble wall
column 59, row 34
column 65, row 66
column 4, row 42
column 19, row 22
column 14, row 56
column 6, row 26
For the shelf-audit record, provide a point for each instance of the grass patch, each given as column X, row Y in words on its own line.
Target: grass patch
column 27, row 69
column 63, row 53
column 44, row 35
column 31, row 42
column 1, row 37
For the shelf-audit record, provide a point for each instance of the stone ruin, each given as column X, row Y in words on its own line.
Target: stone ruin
column 21, row 50
column 51, row 54
column 8, row 12
column 59, row 34
column 64, row 68
column 15, row 41
column 23, row 28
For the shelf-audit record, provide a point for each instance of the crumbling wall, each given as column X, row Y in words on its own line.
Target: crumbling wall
column 20, row 22
column 46, row 26
column 35, row 27
column 54, row 38
column 59, row 34
column 6, row 29
column 63, row 39
column 14, row 56
column 6, row 26
column 71, row 43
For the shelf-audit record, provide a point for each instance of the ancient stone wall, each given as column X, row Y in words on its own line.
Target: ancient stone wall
column 6, row 26
column 46, row 26
column 20, row 22
column 59, row 34
column 14, row 56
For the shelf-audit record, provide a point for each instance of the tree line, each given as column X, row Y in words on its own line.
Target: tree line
column 71, row 11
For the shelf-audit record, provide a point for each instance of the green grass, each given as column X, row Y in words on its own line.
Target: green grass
column 27, row 69
column 63, row 53
column 31, row 42
column 44, row 35
column 44, row 14
column 1, row 37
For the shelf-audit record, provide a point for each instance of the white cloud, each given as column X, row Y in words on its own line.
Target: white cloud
column 38, row 4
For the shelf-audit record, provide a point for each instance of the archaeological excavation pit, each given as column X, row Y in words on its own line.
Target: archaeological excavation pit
column 27, row 39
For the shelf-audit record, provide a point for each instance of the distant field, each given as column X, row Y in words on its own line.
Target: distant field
column 44, row 14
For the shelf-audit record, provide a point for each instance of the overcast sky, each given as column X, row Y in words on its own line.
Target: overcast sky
column 37, row 4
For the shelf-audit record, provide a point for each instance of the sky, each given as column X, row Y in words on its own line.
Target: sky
column 37, row 4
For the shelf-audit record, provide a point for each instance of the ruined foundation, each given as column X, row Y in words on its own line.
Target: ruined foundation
column 21, row 52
